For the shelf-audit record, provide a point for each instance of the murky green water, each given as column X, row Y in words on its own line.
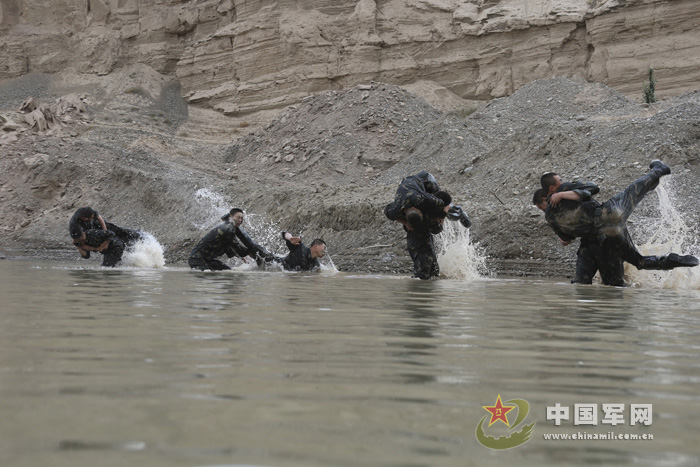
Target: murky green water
column 174, row 367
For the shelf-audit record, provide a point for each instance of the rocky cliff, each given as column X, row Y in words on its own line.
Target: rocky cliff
column 240, row 57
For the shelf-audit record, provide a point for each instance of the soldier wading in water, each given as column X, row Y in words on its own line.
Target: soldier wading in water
column 227, row 238
column 606, row 243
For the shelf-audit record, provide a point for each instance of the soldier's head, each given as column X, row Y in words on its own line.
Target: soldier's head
column 235, row 216
column 413, row 216
column 550, row 182
column 75, row 231
column 539, row 199
column 78, row 237
column 318, row 248
column 86, row 213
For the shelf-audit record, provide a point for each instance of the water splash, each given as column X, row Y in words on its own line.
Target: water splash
column 458, row 257
column 265, row 233
column 145, row 253
column 330, row 267
column 212, row 206
column 667, row 233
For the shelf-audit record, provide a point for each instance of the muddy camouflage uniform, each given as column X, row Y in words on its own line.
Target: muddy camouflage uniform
column 421, row 248
column 417, row 191
column 592, row 257
column 604, row 226
column 299, row 257
column 225, row 239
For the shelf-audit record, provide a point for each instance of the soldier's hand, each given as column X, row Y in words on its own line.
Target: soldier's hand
column 295, row 240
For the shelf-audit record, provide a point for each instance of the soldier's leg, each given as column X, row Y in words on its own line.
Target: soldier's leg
column 216, row 265
column 206, row 264
column 612, row 270
column 422, row 251
column 197, row 263
column 624, row 247
column 586, row 266
column 619, row 207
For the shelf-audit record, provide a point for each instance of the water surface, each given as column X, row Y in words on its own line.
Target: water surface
column 172, row 367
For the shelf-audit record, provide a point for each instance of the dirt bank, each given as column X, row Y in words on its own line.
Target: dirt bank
column 327, row 166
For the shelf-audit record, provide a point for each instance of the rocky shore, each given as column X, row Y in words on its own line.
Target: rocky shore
column 327, row 166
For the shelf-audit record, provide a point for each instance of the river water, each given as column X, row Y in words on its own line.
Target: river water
column 173, row 367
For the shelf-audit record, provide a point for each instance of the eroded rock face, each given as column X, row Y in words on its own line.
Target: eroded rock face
column 240, row 57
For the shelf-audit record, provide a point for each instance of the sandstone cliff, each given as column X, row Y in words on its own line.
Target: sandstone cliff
column 243, row 57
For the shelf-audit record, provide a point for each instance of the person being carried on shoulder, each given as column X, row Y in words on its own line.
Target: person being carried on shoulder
column 420, row 206
column 104, row 242
column 571, row 213
column 86, row 218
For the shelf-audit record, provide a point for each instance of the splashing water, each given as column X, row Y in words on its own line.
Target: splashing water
column 458, row 257
column 213, row 205
column 330, row 267
column 145, row 253
column 667, row 234
column 265, row 233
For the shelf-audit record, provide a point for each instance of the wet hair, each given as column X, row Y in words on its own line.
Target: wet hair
column 317, row 241
column 75, row 231
column 539, row 196
column 547, row 180
column 414, row 217
column 444, row 196
column 86, row 211
column 232, row 212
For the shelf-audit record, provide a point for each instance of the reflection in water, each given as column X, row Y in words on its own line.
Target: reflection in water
column 179, row 367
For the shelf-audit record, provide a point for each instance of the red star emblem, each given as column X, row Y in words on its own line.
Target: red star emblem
column 499, row 411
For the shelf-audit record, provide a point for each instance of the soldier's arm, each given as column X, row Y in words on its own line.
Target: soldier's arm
column 570, row 195
column 103, row 226
column 585, row 189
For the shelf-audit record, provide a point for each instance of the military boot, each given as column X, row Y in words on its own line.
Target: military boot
column 673, row 260
column 660, row 167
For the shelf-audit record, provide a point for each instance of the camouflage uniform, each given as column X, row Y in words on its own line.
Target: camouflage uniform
column 113, row 253
column 224, row 239
column 592, row 257
column 421, row 248
column 417, row 191
column 78, row 225
column 299, row 257
column 606, row 223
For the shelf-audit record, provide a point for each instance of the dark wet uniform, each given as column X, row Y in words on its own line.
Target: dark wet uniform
column 417, row 191
column 604, row 227
column 77, row 225
column 113, row 253
column 421, row 248
column 224, row 239
column 593, row 257
column 299, row 257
